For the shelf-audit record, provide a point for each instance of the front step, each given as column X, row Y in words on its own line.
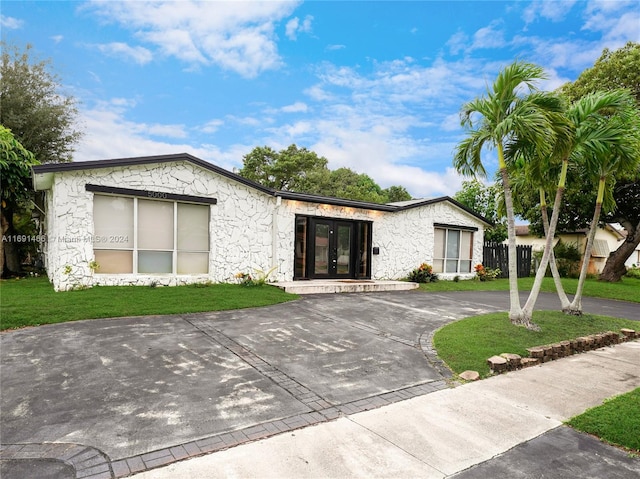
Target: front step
column 343, row 286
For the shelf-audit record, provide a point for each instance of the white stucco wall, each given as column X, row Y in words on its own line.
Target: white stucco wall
column 406, row 239
column 248, row 228
column 239, row 227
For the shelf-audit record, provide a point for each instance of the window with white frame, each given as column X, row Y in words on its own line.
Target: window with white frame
column 141, row 236
column 453, row 250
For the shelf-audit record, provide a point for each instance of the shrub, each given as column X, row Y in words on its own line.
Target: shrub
column 423, row 274
column 633, row 272
column 486, row 274
column 258, row 278
column 568, row 258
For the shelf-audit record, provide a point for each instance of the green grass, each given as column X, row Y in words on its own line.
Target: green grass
column 626, row 290
column 31, row 302
column 467, row 344
column 616, row 421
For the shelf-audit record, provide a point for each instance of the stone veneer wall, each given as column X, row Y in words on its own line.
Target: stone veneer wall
column 248, row 229
column 406, row 238
column 239, row 228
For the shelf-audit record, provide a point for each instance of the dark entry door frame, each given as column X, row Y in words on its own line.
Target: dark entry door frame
column 332, row 248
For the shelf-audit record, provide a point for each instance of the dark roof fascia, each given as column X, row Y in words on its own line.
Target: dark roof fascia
column 145, row 160
column 452, row 201
column 327, row 200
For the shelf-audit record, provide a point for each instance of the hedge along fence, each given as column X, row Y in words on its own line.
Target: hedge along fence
column 542, row 354
column 496, row 256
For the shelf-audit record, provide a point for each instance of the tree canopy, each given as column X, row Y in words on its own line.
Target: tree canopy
column 612, row 71
column 484, row 200
column 303, row 171
column 15, row 191
column 34, row 107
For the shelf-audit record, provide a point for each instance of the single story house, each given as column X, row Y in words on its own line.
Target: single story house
column 176, row 219
column 607, row 239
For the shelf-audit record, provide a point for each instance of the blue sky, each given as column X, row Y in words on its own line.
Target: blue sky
column 375, row 86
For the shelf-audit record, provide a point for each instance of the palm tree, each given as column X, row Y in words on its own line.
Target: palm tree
column 512, row 112
column 593, row 136
column 618, row 153
column 539, row 176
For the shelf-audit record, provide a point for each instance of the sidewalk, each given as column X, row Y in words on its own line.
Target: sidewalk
column 439, row 434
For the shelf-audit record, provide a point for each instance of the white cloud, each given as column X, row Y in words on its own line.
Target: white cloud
column 488, row 37
column 57, row 38
column 167, row 131
column 108, row 134
column 295, row 26
column 317, row 93
column 458, row 42
column 236, row 36
column 211, row 126
column 297, row 107
column 554, row 10
column 333, row 48
column 10, row 23
column 121, row 50
column 554, row 80
column 451, row 122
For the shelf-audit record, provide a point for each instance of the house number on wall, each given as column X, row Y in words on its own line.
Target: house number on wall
column 156, row 194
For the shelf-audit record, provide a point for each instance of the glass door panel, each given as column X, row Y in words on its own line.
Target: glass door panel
column 343, row 260
column 321, row 247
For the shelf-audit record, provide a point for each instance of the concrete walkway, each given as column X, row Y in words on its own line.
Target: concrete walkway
column 450, row 431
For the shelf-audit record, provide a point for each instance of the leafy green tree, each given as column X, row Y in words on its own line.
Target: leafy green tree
column 346, row 183
column 303, row 171
column 484, row 200
column 396, row 193
column 34, row 107
column 15, row 191
column 287, row 169
column 620, row 157
column 613, row 70
column 512, row 112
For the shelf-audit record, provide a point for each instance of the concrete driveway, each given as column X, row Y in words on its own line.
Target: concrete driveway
column 117, row 396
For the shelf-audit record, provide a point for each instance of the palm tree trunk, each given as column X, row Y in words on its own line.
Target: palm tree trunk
column 564, row 301
column 548, row 247
column 576, row 305
column 515, row 310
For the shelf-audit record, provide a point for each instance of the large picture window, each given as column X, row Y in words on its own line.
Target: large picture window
column 453, row 250
column 140, row 236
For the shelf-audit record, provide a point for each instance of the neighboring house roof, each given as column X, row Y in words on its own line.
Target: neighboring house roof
column 523, row 230
column 43, row 176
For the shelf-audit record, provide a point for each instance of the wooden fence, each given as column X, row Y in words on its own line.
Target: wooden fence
column 496, row 255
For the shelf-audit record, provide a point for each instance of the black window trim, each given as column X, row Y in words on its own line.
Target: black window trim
column 150, row 194
column 455, row 227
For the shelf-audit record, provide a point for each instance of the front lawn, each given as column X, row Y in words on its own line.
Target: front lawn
column 466, row 344
column 626, row 290
column 616, row 421
column 32, row 301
